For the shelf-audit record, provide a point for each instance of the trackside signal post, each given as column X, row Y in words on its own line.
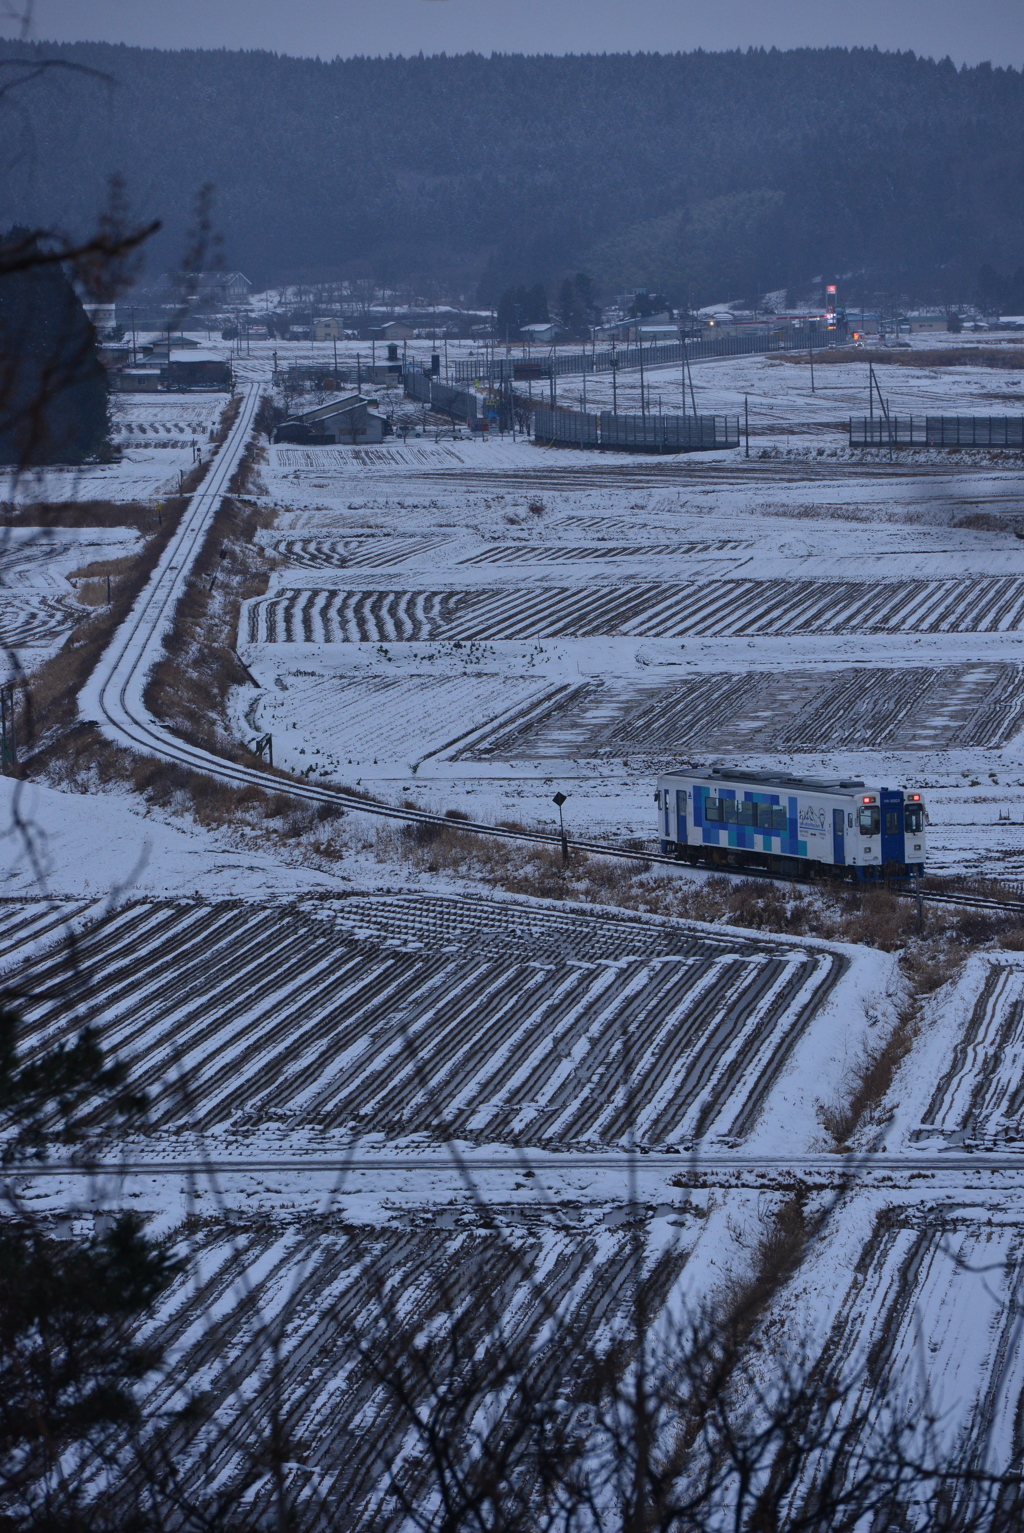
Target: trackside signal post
column 560, row 800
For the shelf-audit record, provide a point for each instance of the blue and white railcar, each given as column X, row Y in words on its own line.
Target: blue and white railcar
column 791, row 825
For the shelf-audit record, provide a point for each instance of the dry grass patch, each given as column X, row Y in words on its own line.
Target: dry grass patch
column 188, row 689
column 868, row 1082
column 52, row 516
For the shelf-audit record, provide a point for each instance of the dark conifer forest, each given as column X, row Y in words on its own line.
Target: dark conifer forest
column 706, row 176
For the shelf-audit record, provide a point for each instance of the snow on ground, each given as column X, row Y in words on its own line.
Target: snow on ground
column 140, row 475
column 592, row 620
column 476, row 625
column 38, row 606
column 71, row 845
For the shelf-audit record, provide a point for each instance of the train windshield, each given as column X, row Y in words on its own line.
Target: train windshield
column 913, row 818
column 869, row 819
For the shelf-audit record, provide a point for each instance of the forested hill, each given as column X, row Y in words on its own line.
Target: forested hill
column 708, row 175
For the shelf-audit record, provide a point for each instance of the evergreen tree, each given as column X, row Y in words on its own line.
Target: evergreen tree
column 508, row 316
column 53, row 388
column 69, row 1307
column 535, row 306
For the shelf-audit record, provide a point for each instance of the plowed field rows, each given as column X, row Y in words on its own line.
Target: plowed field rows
column 32, row 619
column 912, row 708
column 327, row 553
column 980, row 1097
column 267, row 1018
column 560, row 553
column 935, row 1303
column 32, row 560
column 338, row 617
column 916, row 708
column 380, row 718
column 982, row 604
column 343, row 1302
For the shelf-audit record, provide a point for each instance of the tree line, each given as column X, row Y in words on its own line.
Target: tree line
column 703, row 176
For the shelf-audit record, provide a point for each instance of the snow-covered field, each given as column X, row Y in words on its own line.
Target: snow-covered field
column 382, row 1066
column 532, row 619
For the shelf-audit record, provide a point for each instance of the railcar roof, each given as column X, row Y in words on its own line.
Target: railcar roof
column 775, row 779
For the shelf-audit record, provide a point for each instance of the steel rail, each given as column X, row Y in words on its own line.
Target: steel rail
column 462, row 1159
column 113, row 697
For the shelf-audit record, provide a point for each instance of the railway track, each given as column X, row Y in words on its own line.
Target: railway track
column 114, row 695
column 737, row 1165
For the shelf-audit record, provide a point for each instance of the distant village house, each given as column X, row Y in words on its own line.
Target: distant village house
column 350, row 422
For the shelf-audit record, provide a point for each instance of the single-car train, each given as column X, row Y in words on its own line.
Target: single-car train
column 791, row 825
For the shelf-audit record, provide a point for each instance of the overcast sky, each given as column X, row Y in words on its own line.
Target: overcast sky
column 968, row 32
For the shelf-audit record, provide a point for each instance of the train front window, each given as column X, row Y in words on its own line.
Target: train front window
column 913, row 818
column 869, row 818
column 892, row 822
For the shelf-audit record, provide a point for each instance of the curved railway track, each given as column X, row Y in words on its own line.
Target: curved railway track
column 114, row 695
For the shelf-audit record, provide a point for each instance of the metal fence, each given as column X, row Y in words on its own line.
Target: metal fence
column 937, row 431
column 568, row 426
column 638, row 433
column 657, row 354
column 441, row 397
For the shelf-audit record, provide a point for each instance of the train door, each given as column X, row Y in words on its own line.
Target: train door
column 681, row 836
column 839, row 837
column 891, row 805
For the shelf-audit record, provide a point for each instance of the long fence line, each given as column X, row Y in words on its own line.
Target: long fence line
column 441, row 397
column 658, row 353
column 639, row 433
column 937, row 431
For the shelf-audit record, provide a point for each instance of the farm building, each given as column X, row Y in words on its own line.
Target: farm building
column 349, row 421
column 197, row 370
column 393, row 330
column 542, row 332
column 923, row 324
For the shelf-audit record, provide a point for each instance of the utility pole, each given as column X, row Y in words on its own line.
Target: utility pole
column 8, row 735
column 810, row 357
column 746, row 422
column 615, row 374
column 640, row 342
column 693, row 397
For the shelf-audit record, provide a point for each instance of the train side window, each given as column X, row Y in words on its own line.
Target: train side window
column 729, row 811
column 764, row 816
column 780, row 819
column 892, row 822
column 869, row 818
column 913, row 818
column 713, row 811
column 748, row 814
